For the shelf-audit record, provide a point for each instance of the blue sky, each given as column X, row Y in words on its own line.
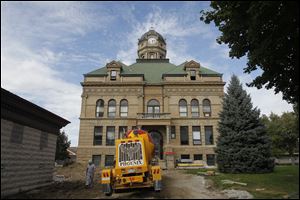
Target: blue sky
column 46, row 47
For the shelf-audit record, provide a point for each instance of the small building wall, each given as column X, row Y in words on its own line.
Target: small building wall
column 28, row 144
column 25, row 166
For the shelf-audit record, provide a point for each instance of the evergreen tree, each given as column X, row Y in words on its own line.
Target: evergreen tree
column 243, row 145
column 62, row 144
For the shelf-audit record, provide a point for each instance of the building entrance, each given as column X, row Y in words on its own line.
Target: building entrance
column 158, row 142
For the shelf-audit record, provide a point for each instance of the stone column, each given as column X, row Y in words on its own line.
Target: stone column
column 168, row 134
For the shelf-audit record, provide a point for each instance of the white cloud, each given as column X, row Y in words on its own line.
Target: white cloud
column 174, row 26
column 29, row 68
column 33, row 67
column 221, row 49
column 49, row 21
column 33, row 79
column 266, row 100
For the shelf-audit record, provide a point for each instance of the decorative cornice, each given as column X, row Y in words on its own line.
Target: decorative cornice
column 151, row 48
column 164, row 60
column 174, row 75
column 113, row 64
column 94, row 75
column 132, row 75
column 84, row 84
column 192, row 64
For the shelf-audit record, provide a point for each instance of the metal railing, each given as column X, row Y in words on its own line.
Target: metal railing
column 153, row 115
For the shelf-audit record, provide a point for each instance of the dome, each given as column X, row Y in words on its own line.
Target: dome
column 152, row 32
column 152, row 45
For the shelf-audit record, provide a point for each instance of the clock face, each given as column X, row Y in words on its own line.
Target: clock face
column 152, row 40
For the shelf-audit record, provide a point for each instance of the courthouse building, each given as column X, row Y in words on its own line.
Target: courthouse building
column 177, row 104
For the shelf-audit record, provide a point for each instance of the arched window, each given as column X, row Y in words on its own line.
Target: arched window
column 195, row 108
column 153, row 109
column 152, row 55
column 99, row 108
column 182, row 108
column 124, row 108
column 112, row 108
column 153, row 106
column 206, row 108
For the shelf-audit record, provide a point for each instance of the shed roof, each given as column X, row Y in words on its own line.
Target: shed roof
column 20, row 110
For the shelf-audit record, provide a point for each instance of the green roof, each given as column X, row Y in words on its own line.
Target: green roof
column 206, row 71
column 153, row 70
column 98, row 72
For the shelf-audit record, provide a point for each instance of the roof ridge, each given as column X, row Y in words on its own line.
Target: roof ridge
column 176, row 67
column 130, row 68
column 209, row 70
column 121, row 63
column 183, row 63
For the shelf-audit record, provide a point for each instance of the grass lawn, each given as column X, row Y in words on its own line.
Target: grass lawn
column 278, row 184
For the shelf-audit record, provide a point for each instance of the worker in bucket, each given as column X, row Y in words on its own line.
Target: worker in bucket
column 90, row 170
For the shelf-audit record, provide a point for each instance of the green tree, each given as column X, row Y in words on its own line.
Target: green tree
column 267, row 32
column 62, row 144
column 283, row 131
column 296, row 111
column 243, row 145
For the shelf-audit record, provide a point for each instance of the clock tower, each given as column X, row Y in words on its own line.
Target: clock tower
column 152, row 46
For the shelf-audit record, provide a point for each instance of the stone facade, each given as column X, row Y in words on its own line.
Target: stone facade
column 189, row 81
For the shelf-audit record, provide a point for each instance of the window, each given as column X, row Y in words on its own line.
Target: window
column 43, row 140
column 185, row 156
column 210, row 159
column 124, row 108
column 182, row 108
column 122, row 131
column 206, row 108
column 193, row 75
column 96, row 160
column 109, row 160
column 196, row 135
column 98, row 132
column 184, row 135
column 99, row 108
column 113, row 75
column 110, row 135
column 153, row 106
column 173, row 132
column 198, row 157
column 112, row 108
column 17, row 133
column 195, row 108
column 209, row 139
column 152, row 56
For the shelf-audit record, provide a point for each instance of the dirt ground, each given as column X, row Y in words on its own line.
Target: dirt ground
column 176, row 185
